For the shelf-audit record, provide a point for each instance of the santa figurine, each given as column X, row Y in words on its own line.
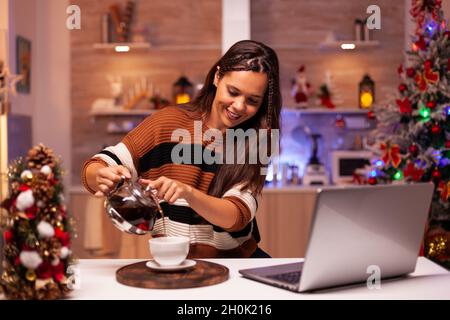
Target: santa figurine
column 301, row 89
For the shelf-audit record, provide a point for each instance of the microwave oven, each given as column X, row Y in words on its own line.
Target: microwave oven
column 345, row 162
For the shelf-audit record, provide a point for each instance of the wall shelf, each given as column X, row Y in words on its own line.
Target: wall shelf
column 357, row 44
column 132, row 46
column 145, row 46
column 325, row 110
column 118, row 111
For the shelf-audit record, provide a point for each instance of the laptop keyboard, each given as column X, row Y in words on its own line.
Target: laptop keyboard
column 288, row 277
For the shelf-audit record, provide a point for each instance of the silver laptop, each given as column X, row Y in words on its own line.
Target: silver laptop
column 356, row 230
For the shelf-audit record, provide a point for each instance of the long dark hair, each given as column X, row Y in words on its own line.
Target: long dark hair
column 253, row 56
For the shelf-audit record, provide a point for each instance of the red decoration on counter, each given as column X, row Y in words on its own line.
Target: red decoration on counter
column 340, row 122
column 371, row 115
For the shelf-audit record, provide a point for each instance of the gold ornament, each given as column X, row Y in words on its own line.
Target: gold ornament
column 30, row 275
column 28, row 177
column 437, row 246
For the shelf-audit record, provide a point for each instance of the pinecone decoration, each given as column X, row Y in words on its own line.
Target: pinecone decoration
column 42, row 191
column 40, row 156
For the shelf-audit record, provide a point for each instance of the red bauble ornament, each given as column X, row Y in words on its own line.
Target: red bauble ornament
column 372, row 181
column 24, row 187
column 8, row 236
column 431, row 104
column 447, row 144
column 371, row 115
column 402, row 87
column 436, row 174
column 410, row 72
column 64, row 237
column 44, row 271
column 435, row 129
column 414, row 149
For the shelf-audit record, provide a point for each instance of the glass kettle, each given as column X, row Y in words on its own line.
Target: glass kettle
column 132, row 208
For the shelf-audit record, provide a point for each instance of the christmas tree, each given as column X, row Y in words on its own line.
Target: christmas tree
column 412, row 139
column 37, row 230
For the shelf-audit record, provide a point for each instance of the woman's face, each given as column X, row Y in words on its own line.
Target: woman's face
column 238, row 97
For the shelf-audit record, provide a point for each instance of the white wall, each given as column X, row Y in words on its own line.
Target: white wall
column 44, row 23
column 51, row 116
column 23, row 22
column 235, row 22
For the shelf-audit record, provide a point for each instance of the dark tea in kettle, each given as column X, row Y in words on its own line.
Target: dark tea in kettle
column 133, row 209
column 140, row 217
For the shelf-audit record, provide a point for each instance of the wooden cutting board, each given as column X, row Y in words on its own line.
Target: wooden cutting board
column 204, row 273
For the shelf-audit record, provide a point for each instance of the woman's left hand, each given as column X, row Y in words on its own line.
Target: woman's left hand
column 169, row 189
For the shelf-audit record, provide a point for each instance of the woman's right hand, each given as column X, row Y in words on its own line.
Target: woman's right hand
column 107, row 179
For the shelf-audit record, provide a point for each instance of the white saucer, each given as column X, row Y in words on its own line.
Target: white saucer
column 152, row 264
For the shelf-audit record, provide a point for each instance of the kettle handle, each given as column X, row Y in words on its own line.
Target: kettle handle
column 118, row 185
column 150, row 190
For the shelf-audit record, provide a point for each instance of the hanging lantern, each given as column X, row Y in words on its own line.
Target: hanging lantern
column 366, row 92
column 182, row 90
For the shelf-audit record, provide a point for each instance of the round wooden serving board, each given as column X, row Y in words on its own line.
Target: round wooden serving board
column 204, row 273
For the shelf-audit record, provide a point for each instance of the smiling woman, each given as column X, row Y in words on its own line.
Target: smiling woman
column 212, row 204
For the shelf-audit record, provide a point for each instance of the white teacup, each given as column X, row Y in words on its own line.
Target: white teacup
column 169, row 251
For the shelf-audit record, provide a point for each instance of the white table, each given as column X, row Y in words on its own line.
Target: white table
column 97, row 281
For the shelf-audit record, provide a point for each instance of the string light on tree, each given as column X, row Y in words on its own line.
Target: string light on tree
column 424, row 113
column 417, row 122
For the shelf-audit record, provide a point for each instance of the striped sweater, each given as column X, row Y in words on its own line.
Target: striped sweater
column 146, row 152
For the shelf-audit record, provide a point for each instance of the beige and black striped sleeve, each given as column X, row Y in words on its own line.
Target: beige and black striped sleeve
column 245, row 202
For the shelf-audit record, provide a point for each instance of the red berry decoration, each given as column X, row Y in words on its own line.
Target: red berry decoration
column 414, row 149
column 402, row 87
column 431, row 104
column 436, row 174
column 435, row 129
column 410, row 72
column 8, row 235
column 372, row 181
